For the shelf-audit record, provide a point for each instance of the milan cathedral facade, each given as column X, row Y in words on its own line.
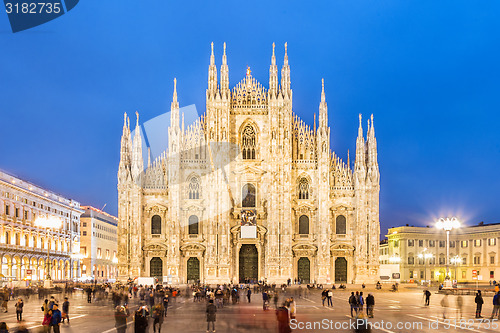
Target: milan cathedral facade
column 248, row 162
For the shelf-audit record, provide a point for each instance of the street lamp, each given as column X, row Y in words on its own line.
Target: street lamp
column 48, row 222
column 447, row 224
column 455, row 261
column 425, row 256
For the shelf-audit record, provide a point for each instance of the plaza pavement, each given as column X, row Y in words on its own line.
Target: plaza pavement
column 405, row 306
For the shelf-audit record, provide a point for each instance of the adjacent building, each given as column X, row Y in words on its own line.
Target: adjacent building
column 248, row 192
column 98, row 246
column 23, row 245
column 420, row 253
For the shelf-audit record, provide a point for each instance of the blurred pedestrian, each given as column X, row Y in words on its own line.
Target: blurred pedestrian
column 479, row 304
column 283, row 319
column 427, row 295
column 121, row 314
column 496, row 306
column 352, row 303
column 460, row 303
column 55, row 322
column 65, row 310
column 141, row 319
column 19, row 309
column 211, row 315
column 47, row 318
column 445, row 304
column 370, row 303
column 293, row 308
column 158, row 316
column 3, row 327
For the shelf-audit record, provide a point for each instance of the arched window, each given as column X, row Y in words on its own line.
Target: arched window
column 26, row 240
column 248, row 196
column 18, row 239
column 193, row 225
column 304, row 225
column 303, row 188
column 194, row 188
column 7, row 237
column 340, row 225
column 248, row 143
column 411, row 259
column 156, row 225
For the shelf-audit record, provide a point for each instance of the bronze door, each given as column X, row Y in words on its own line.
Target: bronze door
column 340, row 270
column 304, row 270
column 249, row 263
column 193, row 270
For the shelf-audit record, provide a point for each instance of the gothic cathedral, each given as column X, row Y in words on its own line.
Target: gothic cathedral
column 248, row 192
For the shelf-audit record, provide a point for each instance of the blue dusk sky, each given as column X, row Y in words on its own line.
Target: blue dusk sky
column 428, row 70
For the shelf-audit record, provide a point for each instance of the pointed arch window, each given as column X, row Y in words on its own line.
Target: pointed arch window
column 248, row 195
column 304, row 225
column 193, row 225
column 156, row 225
column 194, row 188
column 248, row 143
column 303, row 188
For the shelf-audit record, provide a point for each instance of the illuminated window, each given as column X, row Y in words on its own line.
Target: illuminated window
column 303, row 188
column 411, row 242
column 492, row 241
column 194, row 188
column 248, row 143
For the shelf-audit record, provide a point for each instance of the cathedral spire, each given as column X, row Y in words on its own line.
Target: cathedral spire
column 359, row 163
column 125, row 146
column 372, row 146
column 224, row 75
column 323, row 110
column 174, row 107
column 137, row 161
column 212, row 75
column 273, row 76
column 285, row 75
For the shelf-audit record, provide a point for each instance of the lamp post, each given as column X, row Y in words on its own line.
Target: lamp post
column 48, row 222
column 447, row 224
column 455, row 261
column 425, row 256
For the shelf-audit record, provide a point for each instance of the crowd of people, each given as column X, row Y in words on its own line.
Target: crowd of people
column 146, row 306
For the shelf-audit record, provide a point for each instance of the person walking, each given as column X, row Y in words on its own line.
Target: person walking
column 352, row 303
column 47, row 318
column 496, row 306
column 293, row 308
column 158, row 316
column 324, row 295
column 211, row 313
column 460, row 303
column 361, row 302
column 55, row 321
column 249, row 294
column 329, row 297
column 427, row 295
column 283, row 319
column 165, row 304
column 89, row 295
column 370, row 303
column 445, row 304
column 19, row 309
column 141, row 319
column 65, row 310
column 479, row 304
column 121, row 314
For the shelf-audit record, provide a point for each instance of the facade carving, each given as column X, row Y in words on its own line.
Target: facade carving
column 317, row 219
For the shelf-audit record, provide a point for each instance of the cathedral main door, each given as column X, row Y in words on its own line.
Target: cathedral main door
column 156, row 268
column 249, row 263
column 304, row 270
column 193, row 270
column 340, row 270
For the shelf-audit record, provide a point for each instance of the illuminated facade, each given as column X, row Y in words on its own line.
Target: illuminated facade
column 23, row 245
column 476, row 248
column 317, row 219
column 98, row 244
